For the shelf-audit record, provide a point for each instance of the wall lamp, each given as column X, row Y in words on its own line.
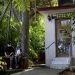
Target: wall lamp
column 50, row 17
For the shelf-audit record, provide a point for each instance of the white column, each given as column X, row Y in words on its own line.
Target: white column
column 49, row 39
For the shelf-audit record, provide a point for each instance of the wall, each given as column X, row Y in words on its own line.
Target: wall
column 73, row 45
column 73, row 49
column 49, row 39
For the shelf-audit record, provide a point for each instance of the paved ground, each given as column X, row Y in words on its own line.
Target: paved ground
column 38, row 71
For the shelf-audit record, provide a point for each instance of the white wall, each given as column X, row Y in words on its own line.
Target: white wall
column 49, row 39
column 73, row 45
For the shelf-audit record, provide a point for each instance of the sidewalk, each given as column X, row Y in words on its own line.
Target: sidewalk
column 38, row 71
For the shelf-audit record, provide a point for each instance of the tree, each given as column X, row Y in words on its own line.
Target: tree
column 25, row 34
column 15, row 27
column 24, row 7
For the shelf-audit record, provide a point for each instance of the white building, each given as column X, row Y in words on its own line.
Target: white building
column 59, row 48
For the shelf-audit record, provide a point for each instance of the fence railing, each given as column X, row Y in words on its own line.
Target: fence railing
column 50, row 45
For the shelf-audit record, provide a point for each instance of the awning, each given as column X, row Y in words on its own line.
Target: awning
column 56, row 10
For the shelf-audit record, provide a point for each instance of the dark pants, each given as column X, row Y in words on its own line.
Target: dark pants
column 18, row 60
column 13, row 63
column 8, row 63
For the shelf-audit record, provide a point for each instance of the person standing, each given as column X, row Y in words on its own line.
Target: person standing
column 18, row 54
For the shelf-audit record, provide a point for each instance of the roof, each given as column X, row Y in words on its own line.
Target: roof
column 58, row 9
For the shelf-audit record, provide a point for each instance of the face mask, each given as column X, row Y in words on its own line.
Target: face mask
column 9, row 45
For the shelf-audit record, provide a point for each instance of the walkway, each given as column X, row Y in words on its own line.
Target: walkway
column 38, row 71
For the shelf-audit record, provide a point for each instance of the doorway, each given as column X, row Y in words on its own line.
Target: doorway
column 63, row 38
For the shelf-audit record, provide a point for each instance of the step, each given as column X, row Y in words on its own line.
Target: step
column 60, row 62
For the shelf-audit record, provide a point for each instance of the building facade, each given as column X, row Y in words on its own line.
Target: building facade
column 59, row 46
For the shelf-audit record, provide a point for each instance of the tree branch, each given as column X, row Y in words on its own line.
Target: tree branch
column 4, row 12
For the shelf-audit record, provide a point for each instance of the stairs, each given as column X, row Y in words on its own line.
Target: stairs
column 60, row 62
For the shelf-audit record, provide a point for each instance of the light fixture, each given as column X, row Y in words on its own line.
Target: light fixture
column 50, row 17
column 54, row 16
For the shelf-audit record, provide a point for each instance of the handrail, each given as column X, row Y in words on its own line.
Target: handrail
column 50, row 45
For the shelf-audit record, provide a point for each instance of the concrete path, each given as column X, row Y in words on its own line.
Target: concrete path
column 38, row 71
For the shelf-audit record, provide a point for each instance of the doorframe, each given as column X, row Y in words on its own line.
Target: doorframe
column 56, row 35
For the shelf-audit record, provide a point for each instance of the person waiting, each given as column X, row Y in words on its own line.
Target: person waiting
column 9, row 55
column 18, row 54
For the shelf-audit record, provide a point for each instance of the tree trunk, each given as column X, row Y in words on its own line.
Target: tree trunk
column 25, row 35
